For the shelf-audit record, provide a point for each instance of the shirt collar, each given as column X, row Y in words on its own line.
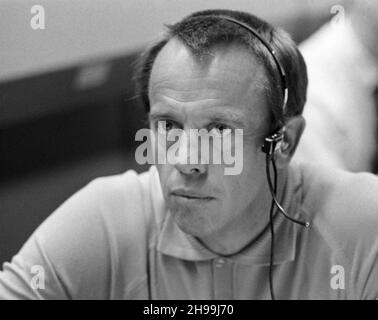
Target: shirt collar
column 171, row 240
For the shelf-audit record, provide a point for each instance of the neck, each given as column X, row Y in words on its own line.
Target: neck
column 249, row 226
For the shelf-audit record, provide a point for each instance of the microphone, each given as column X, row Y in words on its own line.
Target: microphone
column 272, row 191
column 272, row 144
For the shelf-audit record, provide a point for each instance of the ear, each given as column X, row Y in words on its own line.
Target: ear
column 292, row 134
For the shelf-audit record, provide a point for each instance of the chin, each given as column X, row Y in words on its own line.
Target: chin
column 198, row 231
column 194, row 222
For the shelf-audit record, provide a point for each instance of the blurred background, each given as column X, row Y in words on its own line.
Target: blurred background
column 67, row 107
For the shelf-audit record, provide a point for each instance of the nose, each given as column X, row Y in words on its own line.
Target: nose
column 189, row 151
column 191, row 169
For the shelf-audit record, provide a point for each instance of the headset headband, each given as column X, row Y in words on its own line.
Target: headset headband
column 281, row 70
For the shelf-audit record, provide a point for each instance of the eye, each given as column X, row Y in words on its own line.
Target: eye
column 164, row 126
column 220, row 129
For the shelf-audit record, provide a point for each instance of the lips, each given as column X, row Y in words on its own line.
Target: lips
column 190, row 194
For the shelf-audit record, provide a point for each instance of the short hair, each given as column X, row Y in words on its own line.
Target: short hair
column 203, row 30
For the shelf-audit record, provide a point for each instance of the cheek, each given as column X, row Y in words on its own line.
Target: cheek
column 253, row 160
column 239, row 189
column 164, row 174
column 251, row 178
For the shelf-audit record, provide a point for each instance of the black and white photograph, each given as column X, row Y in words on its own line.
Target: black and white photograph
column 189, row 150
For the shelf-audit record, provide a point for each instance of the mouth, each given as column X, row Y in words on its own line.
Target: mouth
column 191, row 195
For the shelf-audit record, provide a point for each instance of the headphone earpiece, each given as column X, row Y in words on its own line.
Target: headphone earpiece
column 274, row 143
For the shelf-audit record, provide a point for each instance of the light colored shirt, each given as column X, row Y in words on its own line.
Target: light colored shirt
column 341, row 116
column 114, row 239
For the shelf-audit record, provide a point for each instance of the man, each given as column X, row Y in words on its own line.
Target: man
column 342, row 106
column 188, row 230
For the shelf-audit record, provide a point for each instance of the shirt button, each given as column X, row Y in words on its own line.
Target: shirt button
column 219, row 263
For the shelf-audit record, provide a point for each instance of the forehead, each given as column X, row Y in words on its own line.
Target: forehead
column 225, row 77
column 232, row 63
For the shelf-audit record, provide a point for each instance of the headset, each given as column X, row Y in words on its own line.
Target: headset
column 272, row 144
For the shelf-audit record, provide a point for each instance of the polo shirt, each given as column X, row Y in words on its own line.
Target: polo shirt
column 114, row 239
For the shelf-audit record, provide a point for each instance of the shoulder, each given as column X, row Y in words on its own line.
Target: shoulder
column 339, row 188
column 343, row 210
column 106, row 207
column 123, row 201
column 98, row 229
column 114, row 192
column 342, row 203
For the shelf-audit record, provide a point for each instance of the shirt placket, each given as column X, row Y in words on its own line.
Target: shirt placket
column 222, row 279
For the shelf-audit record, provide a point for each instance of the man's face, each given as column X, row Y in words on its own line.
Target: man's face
column 218, row 91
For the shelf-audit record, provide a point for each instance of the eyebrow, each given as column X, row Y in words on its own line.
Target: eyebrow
column 238, row 121
column 158, row 115
column 228, row 117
